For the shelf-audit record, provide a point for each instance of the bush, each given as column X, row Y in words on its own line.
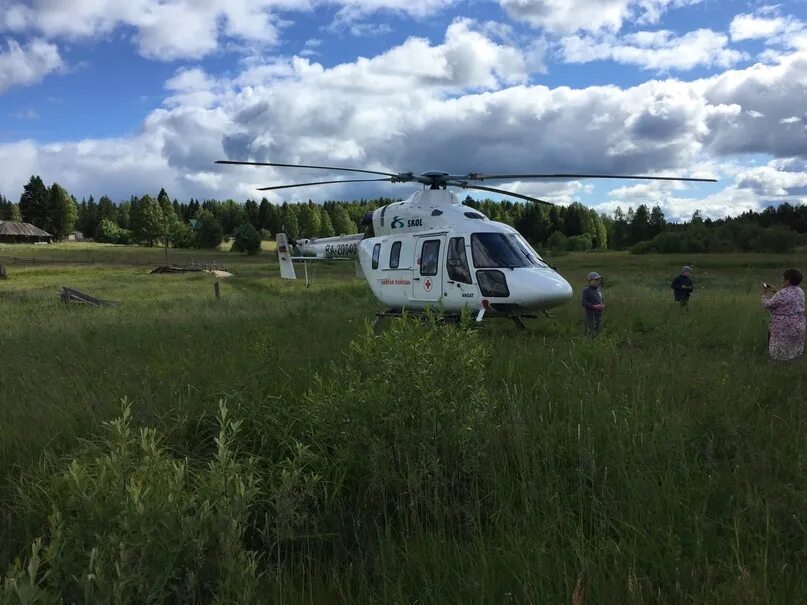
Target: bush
column 777, row 239
column 393, row 431
column 183, row 236
column 579, row 243
column 684, row 241
column 557, row 242
column 246, row 239
column 108, row 232
column 131, row 523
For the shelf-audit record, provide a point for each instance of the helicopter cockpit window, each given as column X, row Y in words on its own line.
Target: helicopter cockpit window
column 376, row 255
column 437, row 212
column 526, row 250
column 429, row 257
column 457, row 263
column 475, row 215
column 491, row 250
column 395, row 255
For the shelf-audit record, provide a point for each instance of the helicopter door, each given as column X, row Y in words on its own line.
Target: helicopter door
column 427, row 281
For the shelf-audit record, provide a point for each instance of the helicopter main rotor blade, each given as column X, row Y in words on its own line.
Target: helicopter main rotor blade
column 502, row 191
column 389, row 180
column 239, row 163
column 485, row 177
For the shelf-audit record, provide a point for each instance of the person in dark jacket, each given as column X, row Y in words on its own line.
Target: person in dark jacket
column 593, row 305
column 682, row 287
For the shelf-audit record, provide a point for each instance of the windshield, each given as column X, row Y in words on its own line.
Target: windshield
column 526, row 250
column 496, row 250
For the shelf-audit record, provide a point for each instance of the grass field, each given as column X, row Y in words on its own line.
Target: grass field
column 663, row 462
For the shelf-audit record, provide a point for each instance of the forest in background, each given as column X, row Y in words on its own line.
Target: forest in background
column 161, row 221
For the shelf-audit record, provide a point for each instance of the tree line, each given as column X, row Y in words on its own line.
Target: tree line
column 160, row 220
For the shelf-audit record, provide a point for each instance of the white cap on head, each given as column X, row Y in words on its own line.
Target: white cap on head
column 594, row 275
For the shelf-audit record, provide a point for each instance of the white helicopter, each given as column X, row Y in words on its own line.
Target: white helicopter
column 432, row 251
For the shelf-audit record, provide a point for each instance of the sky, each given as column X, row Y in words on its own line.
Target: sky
column 122, row 98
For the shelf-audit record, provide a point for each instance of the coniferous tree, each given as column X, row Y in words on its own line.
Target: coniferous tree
column 657, row 221
column 640, row 225
column 619, row 230
column 5, row 209
column 34, row 203
column 265, row 211
column 106, row 210
column 251, row 213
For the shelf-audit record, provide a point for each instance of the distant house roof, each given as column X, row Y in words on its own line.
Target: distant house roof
column 21, row 229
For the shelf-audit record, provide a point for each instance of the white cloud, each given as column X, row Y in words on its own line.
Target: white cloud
column 461, row 105
column 566, row 16
column 779, row 178
column 181, row 29
column 751, row 27
column 779, row 33
column 752, row 188
column 658, row 50
column 22, row 66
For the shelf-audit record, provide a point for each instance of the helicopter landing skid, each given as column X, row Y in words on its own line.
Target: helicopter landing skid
column 449, row 318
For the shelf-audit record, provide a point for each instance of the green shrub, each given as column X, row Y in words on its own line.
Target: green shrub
column 557, row 242
column 246, row 239
column 131, row 523
column 183, row 235
column 777, row 239
column 108, row 232
column 405, row 417
column 579, row 243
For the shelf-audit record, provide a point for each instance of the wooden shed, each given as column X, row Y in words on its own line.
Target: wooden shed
column 12, row 232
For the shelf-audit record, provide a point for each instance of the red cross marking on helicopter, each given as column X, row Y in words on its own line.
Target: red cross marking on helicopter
column 428, row 284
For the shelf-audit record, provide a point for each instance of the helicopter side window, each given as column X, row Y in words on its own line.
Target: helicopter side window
column 395, row 255
column 376, row 255
column 457, row 263
column 493, row 283
column 429, row 255
column 493, row 250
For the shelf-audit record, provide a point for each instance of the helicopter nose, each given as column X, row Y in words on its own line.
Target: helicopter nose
column 554, row 290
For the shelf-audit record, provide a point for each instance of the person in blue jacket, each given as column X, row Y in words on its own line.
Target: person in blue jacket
column 682, row 287
column 593, row 305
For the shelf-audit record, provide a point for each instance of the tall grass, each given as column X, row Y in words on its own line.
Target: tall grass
column 662, row 462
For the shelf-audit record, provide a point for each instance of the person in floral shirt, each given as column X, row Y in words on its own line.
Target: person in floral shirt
column 786, row 329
